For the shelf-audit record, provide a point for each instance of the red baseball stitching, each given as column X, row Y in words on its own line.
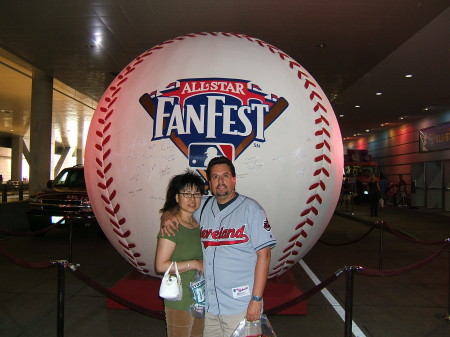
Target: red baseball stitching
column 107, row 181
column 285, row 262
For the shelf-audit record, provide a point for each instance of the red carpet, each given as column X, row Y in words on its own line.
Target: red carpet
column 143, row 290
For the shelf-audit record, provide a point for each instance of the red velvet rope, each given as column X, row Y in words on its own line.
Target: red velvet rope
column 113, row 296
column 350, row 242
column 394, row 272
column 401, row 235
column 160, row 315
column 23, row 263
column 41, row 231
column 304, row 296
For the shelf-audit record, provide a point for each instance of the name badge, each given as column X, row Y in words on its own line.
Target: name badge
column 242, row 291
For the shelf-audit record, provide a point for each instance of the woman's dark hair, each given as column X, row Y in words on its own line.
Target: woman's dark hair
column 220, row 160
column 178, row 183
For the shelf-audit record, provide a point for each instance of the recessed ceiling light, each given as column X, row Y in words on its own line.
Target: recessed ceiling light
column 367, row 130
column 408, row 75
column 381, row 124
column 379, row 93
column 401, row 117
column 341, row 116
column 357, row 106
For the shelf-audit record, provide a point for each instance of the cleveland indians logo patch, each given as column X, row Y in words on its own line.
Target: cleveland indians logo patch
column 210, row 117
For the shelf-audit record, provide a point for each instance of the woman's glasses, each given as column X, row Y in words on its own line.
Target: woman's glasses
column 189, row 195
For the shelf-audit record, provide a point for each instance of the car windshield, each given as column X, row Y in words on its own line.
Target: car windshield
column 70, row 178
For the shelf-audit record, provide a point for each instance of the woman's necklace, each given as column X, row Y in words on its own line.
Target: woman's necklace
column 190, row 224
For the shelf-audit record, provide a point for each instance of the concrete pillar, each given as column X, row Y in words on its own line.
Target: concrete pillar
column 25, row 150
column 80, row 156
column 16, row 158
column 66, row 154
column 41, row 139
column 81, row 143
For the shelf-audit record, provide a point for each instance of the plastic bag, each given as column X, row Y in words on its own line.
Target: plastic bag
column 197, row 286
column 261, row 328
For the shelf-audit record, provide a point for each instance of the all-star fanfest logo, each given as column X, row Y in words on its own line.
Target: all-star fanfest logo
column 223, row 236
column 227, row 113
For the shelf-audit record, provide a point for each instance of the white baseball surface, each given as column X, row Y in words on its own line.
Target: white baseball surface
column 292, row 165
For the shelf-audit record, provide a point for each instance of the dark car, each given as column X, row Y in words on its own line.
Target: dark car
column 64, row 196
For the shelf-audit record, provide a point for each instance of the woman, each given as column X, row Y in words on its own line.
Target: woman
column 183, row 193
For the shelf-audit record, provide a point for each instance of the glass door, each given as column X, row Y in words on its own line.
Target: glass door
column 418, row 185
column 434, row 179
column 447, row 185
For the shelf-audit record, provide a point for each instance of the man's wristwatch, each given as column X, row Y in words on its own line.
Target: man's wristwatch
column 256, row 298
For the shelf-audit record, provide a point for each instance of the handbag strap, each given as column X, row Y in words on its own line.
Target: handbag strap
column 176, row 270
column 168, row 269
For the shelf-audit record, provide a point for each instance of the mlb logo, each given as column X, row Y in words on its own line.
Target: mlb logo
column 200, row 154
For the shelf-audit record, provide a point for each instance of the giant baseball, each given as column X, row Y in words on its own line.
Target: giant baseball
column 206, row 94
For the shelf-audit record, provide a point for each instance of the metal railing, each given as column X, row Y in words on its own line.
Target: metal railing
column 14, row 191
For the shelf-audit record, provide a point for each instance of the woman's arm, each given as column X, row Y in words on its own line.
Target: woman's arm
column 164, row 251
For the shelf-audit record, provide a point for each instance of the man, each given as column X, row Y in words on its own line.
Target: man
column 236, row 240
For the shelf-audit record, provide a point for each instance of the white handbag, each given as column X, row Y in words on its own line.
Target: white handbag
column 170, row 288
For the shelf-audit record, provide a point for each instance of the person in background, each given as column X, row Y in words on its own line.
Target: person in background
column 346, row 194
column 401, row 188
column 383, row 185
column 374, row 195
column 183, row 192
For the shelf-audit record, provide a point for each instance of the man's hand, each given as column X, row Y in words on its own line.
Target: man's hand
column 253, row 311
column 169, row 224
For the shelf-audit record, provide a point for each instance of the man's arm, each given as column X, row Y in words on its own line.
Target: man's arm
column 169, row 223
column 261, row 273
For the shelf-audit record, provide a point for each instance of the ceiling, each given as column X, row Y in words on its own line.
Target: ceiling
column 353, row 48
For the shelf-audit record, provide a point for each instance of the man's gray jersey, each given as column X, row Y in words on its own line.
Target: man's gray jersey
column 230, row 239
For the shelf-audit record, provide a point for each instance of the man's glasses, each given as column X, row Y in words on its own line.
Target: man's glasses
column 189, row 195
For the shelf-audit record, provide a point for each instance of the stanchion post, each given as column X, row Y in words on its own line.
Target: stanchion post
column 349, row 302
column 70, row 238
column 4, row 193
column 21, row 191
column 447, row 316
column 61, row 295
column 380, row 248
